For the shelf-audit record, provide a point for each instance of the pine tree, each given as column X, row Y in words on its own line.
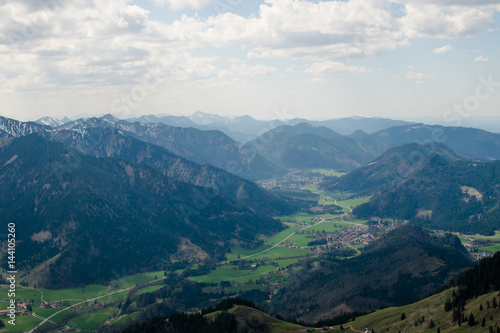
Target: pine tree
column 431, row 323
column 494, row 303
column 456, row 314
column 447, row 305
column 483, row 324
column 439, row 330
column 471, row 320
column 481, row 307
column 403, row 316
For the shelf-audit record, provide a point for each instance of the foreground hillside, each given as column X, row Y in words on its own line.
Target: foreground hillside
column 418, row 316
column 231, row 315
column 470, row 304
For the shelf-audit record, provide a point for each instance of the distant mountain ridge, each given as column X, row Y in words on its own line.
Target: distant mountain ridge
column 110, row 142
column 202, row 147
column 472, row 142
column 245, row 128
column 280, row 149
column 50, row 121
column 15, row 128
column 308, row 146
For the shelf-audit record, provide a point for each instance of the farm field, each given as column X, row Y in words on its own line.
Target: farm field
column 26, row 293
column 327, row 172
column 268, row 243
column 44, row 312
column 78, row 294
column 89, row 321
column 149, row 289
column 114, row 298
column 231, row 273
column 327, row 198
column 133, row 280
column 491, row 248
column 23, row 324
column 123, row 318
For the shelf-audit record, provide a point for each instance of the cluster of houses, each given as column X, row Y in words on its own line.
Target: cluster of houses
column 18, row 313
column 357, row 234
column 23, row 305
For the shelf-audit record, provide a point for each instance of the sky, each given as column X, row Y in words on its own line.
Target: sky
column 268, row 59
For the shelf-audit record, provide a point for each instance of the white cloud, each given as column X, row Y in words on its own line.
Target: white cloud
column 443, row 49
column 180, row 4
column 481, row 59
column 112, row 43
column 314, row 80
column 302, row 29
column 413, row 75
column 447, row 18
column 240, row 69
column 337, row 29
column 417, row 76
column 332, row 67
column 108, row 44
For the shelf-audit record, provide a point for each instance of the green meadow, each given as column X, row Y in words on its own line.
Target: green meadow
column 133, row 280
column 231, row 273
column 149, row 289
column 89, row 321
column 26, row 293
column 23, row 324
column 327, row 172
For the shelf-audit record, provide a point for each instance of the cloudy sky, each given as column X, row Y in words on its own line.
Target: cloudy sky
column 268, row 59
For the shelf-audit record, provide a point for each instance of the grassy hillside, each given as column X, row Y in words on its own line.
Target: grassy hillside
column 254, row 320
column 389, row 320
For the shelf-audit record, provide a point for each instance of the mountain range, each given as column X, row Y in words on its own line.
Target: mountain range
column 293, row 144
column 78, row 215
column 110, row 142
